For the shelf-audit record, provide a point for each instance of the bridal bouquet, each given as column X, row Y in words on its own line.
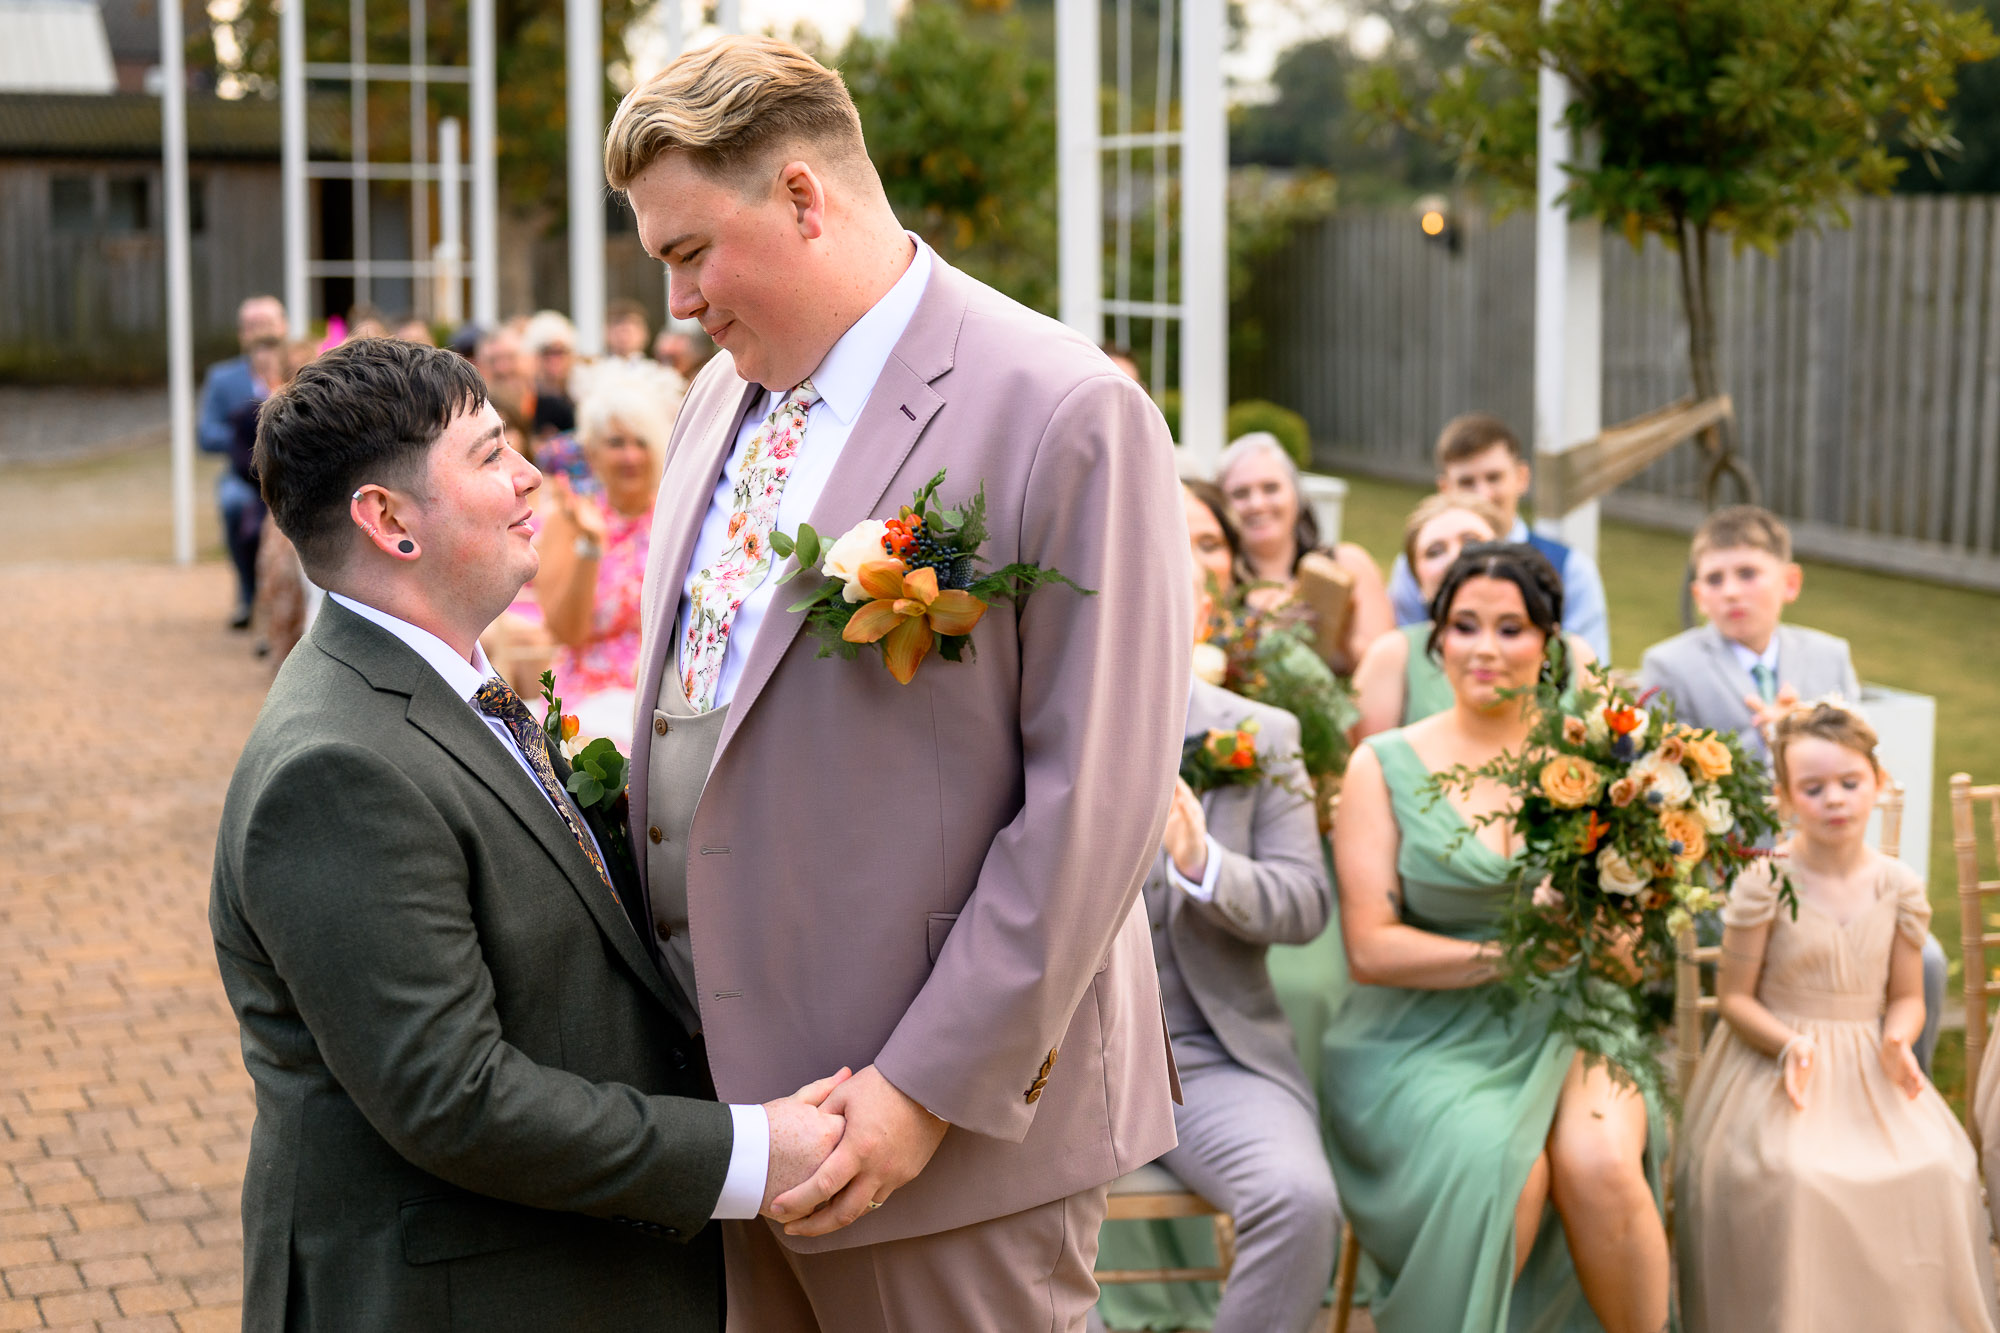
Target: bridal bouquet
column 1269, row 656
column 1629, row 823
column 909, row 583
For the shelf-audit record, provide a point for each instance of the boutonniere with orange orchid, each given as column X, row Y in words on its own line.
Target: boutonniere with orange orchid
column 906, row 584
column 1629, row 825
column 597, row 770
column 1223, row 758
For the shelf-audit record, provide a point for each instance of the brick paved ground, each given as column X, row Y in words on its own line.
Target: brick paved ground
column 124, row 1108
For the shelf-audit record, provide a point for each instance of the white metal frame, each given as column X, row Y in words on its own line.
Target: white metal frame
column 180, row 280
column 1202, row 142
column 299, row 167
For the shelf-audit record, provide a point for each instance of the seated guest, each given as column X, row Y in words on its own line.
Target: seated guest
column 1213, row 540
column 626, row 331
column 551, row 341
column 1239, row 871
column 1819, row 1180
column 1477, row 455
column 594, row 557
column 1746, row 668
column 1279, row 531
column 1495, row 1179
column 510, row 382
column 683, row 349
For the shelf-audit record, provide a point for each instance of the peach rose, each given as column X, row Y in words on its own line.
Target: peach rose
column 1685, row 827
column 1624, row 792
column 1710, row 757
column 1575, row 730
column 1671, row 750
column 1570, row 782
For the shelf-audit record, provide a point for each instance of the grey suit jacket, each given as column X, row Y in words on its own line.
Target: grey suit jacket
column 1697, row 670
column 463, row 1055
column 942, row 878
column 1271, row 888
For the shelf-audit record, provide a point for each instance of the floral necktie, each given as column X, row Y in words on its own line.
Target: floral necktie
column 744, row 562
column 497, row 700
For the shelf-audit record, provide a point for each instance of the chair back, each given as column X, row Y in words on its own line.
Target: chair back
column 1696, row 965
column 1972, row 895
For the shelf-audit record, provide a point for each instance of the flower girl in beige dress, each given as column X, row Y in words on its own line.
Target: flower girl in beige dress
column 1820, row 1182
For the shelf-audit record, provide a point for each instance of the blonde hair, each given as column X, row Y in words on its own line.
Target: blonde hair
column 1443, row 502
column 1824, row 720
column 1738, row 526
column 727, row 105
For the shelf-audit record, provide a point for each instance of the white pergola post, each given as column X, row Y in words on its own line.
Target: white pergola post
column 1204, row 235
column 878, row 20
column 1569, row 312
column 584, row 21
column 450, row 286
column 729, row 15
column 485, row 171
column 180, row 283
column 1080, row 178
column 292, row 123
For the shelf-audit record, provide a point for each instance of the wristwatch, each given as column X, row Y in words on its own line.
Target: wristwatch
column 586, row 549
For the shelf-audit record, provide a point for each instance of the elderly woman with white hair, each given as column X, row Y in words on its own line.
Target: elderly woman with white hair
column 594, row 552
column 1262, row 485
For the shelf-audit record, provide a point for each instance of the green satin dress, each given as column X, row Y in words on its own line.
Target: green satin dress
column 1436, row 1106
column 1426, row 692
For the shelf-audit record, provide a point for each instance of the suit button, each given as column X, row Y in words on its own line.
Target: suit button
column 669, row 1232
column 655, row 834
column 659, row 726
column 664, row 932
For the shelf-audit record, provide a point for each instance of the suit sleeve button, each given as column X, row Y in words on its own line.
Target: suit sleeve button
column 659, row 726
column 655, row 834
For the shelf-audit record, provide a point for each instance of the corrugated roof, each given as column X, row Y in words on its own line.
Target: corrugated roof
column 49, row 46
column 128, row 125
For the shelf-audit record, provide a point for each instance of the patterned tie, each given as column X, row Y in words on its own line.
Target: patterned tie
column 1767, row 682
column 717, row 592
column 497, row 700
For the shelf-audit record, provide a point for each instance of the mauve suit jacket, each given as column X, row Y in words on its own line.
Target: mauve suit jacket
column 942, row 878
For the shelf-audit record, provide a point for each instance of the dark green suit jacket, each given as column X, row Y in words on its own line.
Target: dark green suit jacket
column 474, row 1109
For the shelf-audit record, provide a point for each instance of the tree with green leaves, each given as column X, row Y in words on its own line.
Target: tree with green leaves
column 1703, row 118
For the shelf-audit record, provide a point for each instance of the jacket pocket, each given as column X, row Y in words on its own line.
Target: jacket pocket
column 937, row 925
column 444, row 1227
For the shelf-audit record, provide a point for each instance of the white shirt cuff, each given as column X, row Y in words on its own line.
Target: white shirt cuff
column 749, row 1165
column 1204, row 891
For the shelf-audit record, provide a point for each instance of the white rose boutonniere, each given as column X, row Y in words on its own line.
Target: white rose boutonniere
column 860, row 544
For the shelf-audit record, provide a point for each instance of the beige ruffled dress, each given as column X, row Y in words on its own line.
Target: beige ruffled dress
column 1861, row 1212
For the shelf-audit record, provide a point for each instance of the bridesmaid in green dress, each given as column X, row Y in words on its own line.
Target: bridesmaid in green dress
column 1496, row 1182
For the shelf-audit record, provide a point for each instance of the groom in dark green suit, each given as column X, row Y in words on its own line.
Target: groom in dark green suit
column 475, row 1108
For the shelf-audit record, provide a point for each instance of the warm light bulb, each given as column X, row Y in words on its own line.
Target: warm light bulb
column 1432, row 223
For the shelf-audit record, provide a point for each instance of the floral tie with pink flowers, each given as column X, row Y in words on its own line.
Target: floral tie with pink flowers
column 717, row 591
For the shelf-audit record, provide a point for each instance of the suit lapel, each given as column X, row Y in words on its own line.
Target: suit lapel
column 901, row 404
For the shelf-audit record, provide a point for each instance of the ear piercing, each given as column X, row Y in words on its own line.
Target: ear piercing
column 406, row 546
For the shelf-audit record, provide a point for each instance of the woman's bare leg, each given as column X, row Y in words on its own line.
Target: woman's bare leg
column 1597, row 1181
column 1528, row 1212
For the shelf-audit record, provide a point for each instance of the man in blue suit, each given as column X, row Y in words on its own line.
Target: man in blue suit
column 226, row 387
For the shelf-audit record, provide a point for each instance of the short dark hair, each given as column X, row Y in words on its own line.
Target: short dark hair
column 1471, row 435
column 367, row 411
column 625, row 308
column 1516, row 562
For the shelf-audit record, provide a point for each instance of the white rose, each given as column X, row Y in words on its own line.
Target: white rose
column 1596, row 730
column 1714, row 812
column 1211, row 663
column 858, row 545
column 1671, row 781
column 1617, row 875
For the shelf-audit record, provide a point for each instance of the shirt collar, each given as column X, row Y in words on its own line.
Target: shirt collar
column 1748, row 659
column 1519, row 532
column 464, row 677
column 848, row 373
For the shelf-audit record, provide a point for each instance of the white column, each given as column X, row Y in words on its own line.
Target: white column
column 450, row 301
column 729, row 15
column 878, row 20
column 293, row 185
column 674, row 15
column 1204, row 233
column 1080, row 180
column 1569, row 312
column 180, row 302
column 485, row 172
column 583, row 21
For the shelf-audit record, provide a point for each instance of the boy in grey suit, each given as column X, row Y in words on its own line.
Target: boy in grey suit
column 1745, row 668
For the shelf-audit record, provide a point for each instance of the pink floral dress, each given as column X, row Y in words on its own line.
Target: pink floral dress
column 610, row 661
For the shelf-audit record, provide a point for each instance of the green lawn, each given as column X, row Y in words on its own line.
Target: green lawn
column 1924, row 637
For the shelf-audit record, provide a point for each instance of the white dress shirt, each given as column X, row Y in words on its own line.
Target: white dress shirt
column 1750, row 660
column 750, row 1147
column 845, row 379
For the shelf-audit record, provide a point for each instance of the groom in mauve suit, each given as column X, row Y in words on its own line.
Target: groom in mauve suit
column 936, row 883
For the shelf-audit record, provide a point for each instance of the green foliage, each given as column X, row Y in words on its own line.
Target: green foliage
column 1973, row 167
column 1255, row 414
column 1269, row 656
column 961, row 127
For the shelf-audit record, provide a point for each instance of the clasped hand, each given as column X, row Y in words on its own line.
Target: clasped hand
column 881, row 1140
column 1186, row 838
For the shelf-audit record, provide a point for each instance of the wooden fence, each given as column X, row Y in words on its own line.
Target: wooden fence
column 1864, row 364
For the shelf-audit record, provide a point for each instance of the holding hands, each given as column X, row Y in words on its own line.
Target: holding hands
column 885, row 1140
column 803, row 1132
